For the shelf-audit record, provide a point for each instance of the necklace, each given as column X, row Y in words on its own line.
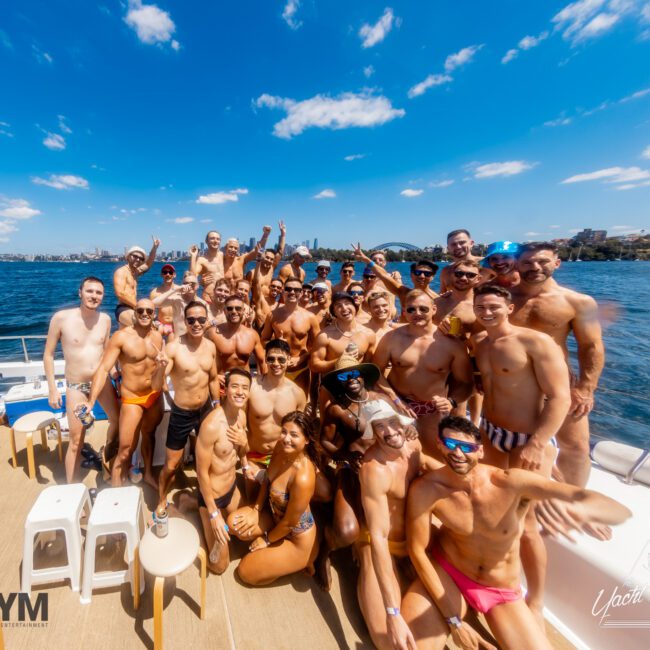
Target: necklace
column 358, row 401
column 346, row 334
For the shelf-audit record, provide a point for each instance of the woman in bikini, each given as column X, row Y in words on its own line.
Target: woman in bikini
column 280, row 526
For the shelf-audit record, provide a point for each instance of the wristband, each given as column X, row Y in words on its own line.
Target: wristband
column 371, row 264
column 397, row 400
column 392, row 611
column 215, row 514
column 453, row 402
column 454, row 621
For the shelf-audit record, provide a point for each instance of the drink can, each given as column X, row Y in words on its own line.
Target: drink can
column 162, row 524
column 455, row 326
column 85, row 415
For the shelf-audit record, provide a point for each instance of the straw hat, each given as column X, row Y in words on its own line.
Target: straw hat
column 369, row 372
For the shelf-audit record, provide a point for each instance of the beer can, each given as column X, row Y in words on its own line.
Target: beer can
column 85, row 415
column 162, row 524
column 455, row 326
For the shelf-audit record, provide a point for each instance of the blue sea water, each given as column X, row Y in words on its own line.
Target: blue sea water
column 32, row 292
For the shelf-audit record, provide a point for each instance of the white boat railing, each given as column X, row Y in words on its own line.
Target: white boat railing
column 22, row 340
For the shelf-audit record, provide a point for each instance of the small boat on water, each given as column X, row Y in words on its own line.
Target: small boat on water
column 597, row 593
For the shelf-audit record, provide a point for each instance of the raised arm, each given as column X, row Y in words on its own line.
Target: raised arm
column 591, row 354
column 393, row 285
column 159, row 301
column 143, row 268
column 194, row 259
column 53, row 336
column 279, row 254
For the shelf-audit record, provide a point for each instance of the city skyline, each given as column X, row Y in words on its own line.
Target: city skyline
column 369, row 122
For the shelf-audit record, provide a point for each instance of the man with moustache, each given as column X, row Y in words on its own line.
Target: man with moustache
column 191, row 363
column 542, row 304
column 473, row 549
column 125, row 281
column 297, row 327
column 209, row 267
column 137, row 348
column 323, row 269
column 294, row 268
column 166, row 313
column 458, row 301
column 84, row 333
column 501, row 258
column 430, row 373
column 347, row 277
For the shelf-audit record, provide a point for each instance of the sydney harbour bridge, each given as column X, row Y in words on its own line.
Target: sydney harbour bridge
column 396, row 244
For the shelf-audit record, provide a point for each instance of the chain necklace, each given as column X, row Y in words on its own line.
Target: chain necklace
column 348, row 335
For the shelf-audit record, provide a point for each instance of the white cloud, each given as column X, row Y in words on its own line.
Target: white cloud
column 559, row 121
column 461, row 57
column 325, row 194
column 175, row 45
column 54, row 141
column 623, row 178
column 347, row 110
column 6, row 227
column 62, row 182
column 431, row 80
column 373, row 34
column 289, row 14
column 621, row 227
column 180, row 220
column 554, row 226
column 354, row 156
column 526, row 43
column 5, row 129
column 510, row 55
column 368, row 71
column 410, row 193
column 531, row 233
column 218, row 198
column 16, row 209
column 205, row 221
column 40, row 56
column 637, row 95
column 646, row 153
column 509, row 168
column 446, row 183
column 63, row 127
column 150, row 23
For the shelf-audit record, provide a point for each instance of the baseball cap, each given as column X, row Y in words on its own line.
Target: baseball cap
column 136, row 249
column 168, row 267
column 303, row 251
column 324, row 263
column 320, row 286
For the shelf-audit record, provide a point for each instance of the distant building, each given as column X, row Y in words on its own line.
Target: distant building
column 315, row 242
column 251, row 243
column 179, row 253
column 589, row 236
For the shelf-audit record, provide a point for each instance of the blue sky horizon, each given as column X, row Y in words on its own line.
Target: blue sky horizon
column 380, row 121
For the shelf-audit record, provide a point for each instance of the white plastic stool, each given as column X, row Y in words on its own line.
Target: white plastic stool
column 115, row 511
column 58, row 507
column 29, row 424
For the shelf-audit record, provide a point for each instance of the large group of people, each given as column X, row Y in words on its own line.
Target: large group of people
column 417, row 427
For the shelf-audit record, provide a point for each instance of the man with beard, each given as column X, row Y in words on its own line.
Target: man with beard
column 166, row 313
column 298, row 328
column 475, row 548
column 323, row 269
column 234, row 341
column 458, row 302
column 84, row 333
column 125, row 281
column 234, row 263
column 137, row 349
column 191, row 363
column 347, row 277
column 210, row 267
column 346, row 434
column 430, row 372
column 501, row 258
column 272, row 396
column 217, row 307
column 459, row 246
column 523, row 367
column 542, row 304
column 294, row 268
column 177, row 298
column 388, row 468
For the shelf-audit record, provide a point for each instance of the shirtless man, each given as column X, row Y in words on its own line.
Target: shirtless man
column 388, row 468
column 294, row 268
column 379, row 258
column 298, row 328
column 221, row 441
column 346, row 434
column 475, row 550
column 84, row 333
column 210, row 267
column 501, row 258
column 380, row 310
column 458, row 301
column 125, row 281
column 177, row 298
column 272, row 396
column 542, row 304
column 137, row 348
column 323, row 269
column 430, row 372
column 268, row 262
column 166, row 313
column 320, row 303
column 520, row 366
column 243, row 290
column 217, row 308
column 234, row 341
column 347, row 277
column 305, row 295
column 358, row 295
column 234, row 263
column 191, row 363
column 459, row 246
column 264, row 302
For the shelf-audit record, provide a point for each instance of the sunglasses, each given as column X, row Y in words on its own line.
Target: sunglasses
column 319, row 290
column 369, row 277
column 421, row 273
column 274, row 359
column 293, row 289
column 348, row 374
column 356, row 293
column 470, row 275
column 167, row 272
column 141, row 311
column 466, row 447
column 419, row 310
column 201, row 320
column 347, row 271
column 231, row 308
column 138, row 258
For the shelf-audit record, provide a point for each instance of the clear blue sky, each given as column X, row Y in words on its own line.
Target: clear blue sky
column 517, row 120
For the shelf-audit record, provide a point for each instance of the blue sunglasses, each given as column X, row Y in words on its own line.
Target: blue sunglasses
column 348, row 374
column 466, row 447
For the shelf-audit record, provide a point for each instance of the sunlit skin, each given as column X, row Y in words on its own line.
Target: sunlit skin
column 536, row 267
column 460, row 246
column 502, row 264
column 232, row 248
column 213, row 240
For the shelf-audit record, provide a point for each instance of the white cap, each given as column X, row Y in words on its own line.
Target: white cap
column 303, row 251
column 324, row 263
column 136, row 249
column 320, row 285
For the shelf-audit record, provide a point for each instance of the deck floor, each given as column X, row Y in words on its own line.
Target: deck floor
column 292, row 613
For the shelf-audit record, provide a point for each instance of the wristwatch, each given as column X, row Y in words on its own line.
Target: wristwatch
column 454, row 621
column 453, row 402
column 392, row 611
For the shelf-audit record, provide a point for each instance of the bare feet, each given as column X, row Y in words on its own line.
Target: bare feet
column 323, row 570
column 151, row 480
